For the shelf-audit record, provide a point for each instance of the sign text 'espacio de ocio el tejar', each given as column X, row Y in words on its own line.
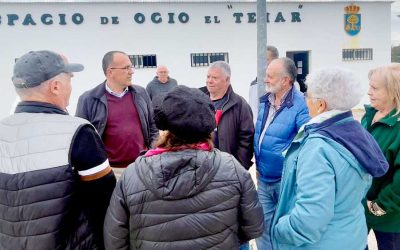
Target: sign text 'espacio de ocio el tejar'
column 28, row 19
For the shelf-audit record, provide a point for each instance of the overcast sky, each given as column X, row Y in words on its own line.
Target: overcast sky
column 396, row 23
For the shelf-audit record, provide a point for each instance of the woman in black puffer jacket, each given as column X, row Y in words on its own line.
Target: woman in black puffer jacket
column 184, row 194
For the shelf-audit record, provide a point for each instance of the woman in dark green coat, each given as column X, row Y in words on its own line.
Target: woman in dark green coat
column 382, row 120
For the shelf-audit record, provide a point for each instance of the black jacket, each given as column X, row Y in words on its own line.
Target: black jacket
column 92, row 106
column 189, row 199
column 235, row 131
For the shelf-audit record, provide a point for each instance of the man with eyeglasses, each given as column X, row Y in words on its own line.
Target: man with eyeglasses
column 55, row 178
column 121, row 112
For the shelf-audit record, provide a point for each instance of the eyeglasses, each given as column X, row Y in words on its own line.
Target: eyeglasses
column 127, row 68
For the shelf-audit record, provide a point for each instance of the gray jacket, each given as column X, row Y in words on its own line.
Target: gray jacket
column 40, row 204
column 92, row 106
column 188, row 199
column 155, row 87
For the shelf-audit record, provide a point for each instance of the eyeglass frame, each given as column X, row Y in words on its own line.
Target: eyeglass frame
column 125, row 68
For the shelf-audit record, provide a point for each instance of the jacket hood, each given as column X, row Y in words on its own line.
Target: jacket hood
column 177, row 175
column 349, row 133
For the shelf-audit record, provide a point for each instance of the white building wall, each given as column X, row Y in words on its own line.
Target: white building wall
column 320, row 31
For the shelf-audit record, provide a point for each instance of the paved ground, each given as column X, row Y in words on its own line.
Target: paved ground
column 371, row 243
column 371, row 238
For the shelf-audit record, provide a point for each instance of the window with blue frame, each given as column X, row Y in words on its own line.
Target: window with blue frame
column 205, row 59
column 143, row 61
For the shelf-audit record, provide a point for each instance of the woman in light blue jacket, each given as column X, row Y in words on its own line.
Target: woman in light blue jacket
column 327, row 171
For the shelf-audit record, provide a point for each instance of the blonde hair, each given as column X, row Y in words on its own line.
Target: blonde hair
column 389, row 76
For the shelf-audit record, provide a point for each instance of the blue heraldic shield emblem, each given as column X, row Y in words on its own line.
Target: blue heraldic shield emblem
column 352, row 20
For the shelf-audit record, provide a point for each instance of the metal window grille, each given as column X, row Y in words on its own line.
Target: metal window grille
column 143, row 61
column 357, row 54
column 205, row 59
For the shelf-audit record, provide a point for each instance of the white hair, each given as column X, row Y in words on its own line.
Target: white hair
column 226, row 69
column 28, row 92
column 274, row 51
column 339, row 87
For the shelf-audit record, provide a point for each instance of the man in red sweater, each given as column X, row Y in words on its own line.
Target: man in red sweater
column 121, row 112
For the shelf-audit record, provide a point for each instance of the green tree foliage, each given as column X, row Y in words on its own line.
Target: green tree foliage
column 396, row 54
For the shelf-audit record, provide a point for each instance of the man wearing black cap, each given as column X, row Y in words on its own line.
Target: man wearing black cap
column 55, row 179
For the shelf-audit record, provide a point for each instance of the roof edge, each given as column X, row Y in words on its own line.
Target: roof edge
column 191, row 1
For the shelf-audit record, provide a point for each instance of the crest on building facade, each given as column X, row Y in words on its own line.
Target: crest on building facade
column 352, row 20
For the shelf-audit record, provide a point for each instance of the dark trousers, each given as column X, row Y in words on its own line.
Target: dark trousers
column 387, row 241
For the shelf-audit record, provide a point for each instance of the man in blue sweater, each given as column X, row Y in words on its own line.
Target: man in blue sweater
column 282, row 111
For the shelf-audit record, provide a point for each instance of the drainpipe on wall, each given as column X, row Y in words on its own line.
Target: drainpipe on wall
column 261, row 45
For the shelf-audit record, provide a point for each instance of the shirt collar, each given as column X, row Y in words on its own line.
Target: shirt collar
column 323, row 117
column 319, row 119
column 120, row 95
column 390, row 119
column 271, row 98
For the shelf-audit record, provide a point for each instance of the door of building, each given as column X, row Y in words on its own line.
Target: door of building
column 301, row 60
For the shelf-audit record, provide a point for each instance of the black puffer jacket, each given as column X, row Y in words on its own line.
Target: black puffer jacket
column 41, row 204
column 190, row 199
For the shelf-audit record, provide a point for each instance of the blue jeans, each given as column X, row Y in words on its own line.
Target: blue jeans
column 268, row 194
column 245, row 246
column 387, row 241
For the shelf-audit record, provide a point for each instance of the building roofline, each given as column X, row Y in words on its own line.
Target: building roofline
column 190, row 1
